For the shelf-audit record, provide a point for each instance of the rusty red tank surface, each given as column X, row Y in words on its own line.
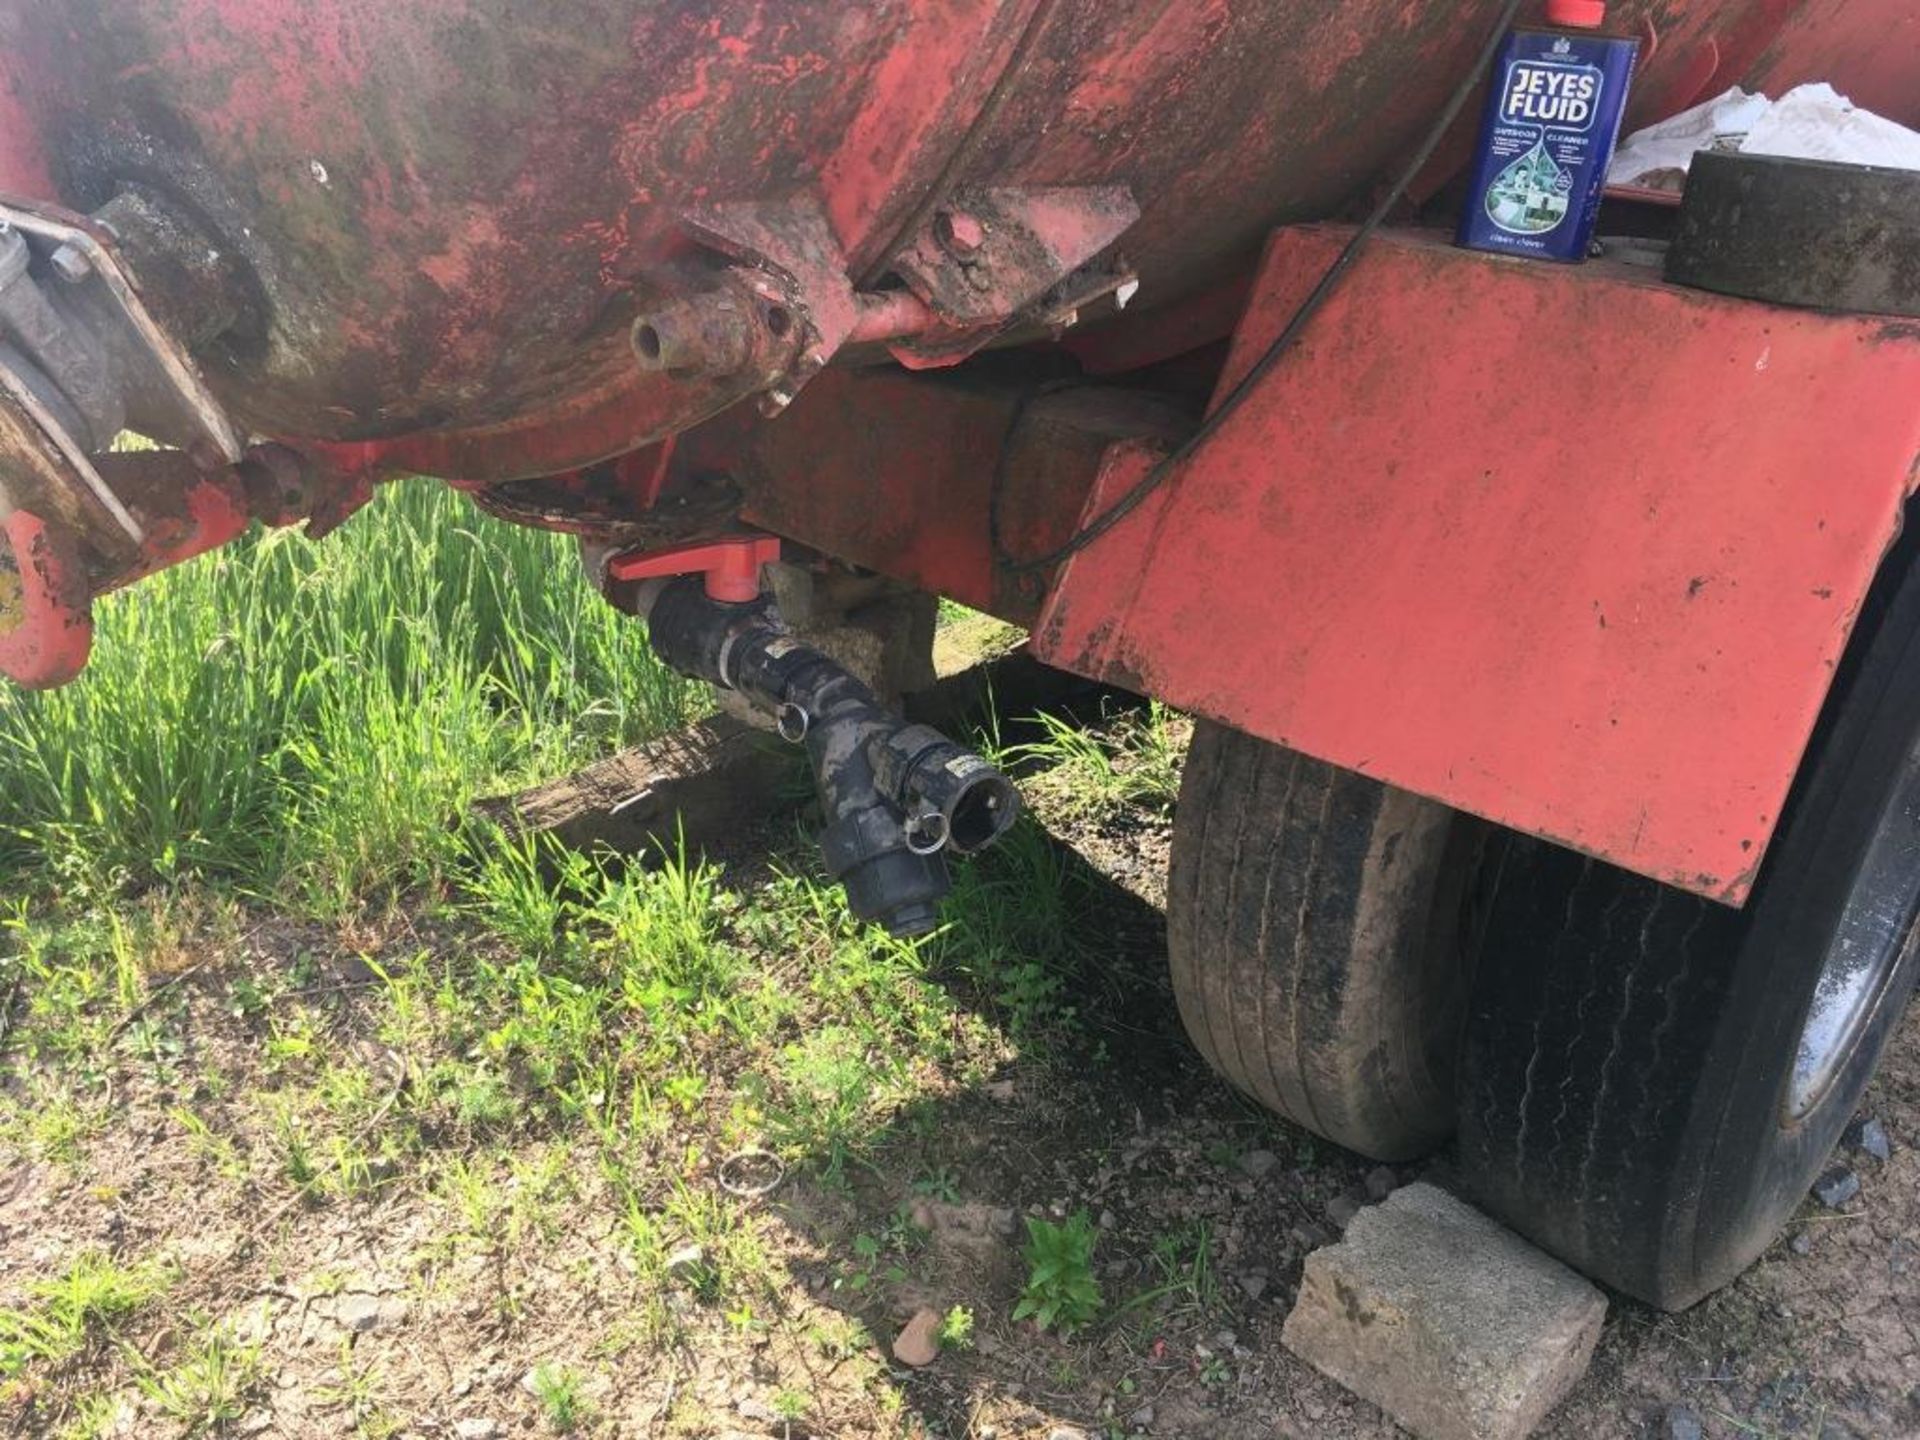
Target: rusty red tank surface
column 449, row 215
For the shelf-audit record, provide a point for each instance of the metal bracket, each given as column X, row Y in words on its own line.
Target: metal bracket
column 994, row 257
column 85, row 305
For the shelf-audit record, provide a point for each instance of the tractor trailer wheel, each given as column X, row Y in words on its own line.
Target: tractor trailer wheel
column 1313, row 925
column 1651, row 1080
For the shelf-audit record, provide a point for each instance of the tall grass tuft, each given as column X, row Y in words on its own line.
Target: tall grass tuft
column 303, row 719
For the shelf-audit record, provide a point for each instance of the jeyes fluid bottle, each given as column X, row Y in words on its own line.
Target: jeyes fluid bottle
column 1553, row 115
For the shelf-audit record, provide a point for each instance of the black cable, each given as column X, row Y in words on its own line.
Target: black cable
column 1283, row 342
column 977, row 131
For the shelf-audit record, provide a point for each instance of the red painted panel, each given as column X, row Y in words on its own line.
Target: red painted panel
column 46, row 630
column 1569, row 548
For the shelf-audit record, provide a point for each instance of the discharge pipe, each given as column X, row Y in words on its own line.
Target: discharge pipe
column 898, row 796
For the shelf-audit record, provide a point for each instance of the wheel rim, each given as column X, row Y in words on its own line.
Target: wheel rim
column 1875, row 934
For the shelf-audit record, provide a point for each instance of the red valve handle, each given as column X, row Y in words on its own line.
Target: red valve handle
column 731, row 567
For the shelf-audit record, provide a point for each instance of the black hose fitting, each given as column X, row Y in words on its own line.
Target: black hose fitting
column 897, row 796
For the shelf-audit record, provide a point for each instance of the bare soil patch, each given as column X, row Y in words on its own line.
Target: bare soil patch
column 486, row 1262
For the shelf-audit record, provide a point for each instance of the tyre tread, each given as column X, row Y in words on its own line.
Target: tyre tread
column 1279, row 862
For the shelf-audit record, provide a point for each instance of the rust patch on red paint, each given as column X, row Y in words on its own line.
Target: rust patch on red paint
column 1422, row 569
column 49, row 632
column 450, row 208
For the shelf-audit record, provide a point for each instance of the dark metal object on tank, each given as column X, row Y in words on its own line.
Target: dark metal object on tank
column 632, row 502
column 446, row 220
column 84, row 357
column 1801, row 232
column 55, row 356
column 897, row 796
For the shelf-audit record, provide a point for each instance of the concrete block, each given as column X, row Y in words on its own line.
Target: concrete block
column 1445, row 1319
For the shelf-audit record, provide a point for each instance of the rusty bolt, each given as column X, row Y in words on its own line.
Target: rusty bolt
column 962, row 234
column 70, row 263
column 278, row 483
column 707, row 335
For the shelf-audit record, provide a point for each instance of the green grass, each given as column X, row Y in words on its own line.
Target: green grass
column 303, row 720
column 284, row 737
column 1182, row 1260
column 84, row 1303
column 562, row 1402
column 1132, row 761
column 210, row 1386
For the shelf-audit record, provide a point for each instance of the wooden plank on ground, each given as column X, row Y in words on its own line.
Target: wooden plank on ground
column 707, row 781
column 712, row 780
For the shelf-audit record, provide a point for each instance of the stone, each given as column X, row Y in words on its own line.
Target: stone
column 1142, row 1419
column 1066, row 1432
column 1801, row 1243
column 476, row 1428
column 1836, row 1187
column 361, row 1313
column 1381, row 1182
column 1311, row 1237
column 918, row 1343
column 1253, row 1284
column 1680, row 1423
column 1871, row 1136
column 756, row 1410
column 1258, row 1163
column 1445, row 1319
column 1341, row 1210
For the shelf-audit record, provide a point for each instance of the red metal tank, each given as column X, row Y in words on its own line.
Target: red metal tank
column 443, row 219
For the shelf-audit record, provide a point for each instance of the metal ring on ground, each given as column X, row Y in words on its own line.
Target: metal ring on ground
column 758, row 1188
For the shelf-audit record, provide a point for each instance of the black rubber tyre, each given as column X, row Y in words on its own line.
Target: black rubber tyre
column 1636, row 1096
column 1312, row 924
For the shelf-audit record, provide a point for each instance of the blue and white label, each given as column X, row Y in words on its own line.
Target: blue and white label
column 1533, row 195
column 1566, row 97
column 1552, row 114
